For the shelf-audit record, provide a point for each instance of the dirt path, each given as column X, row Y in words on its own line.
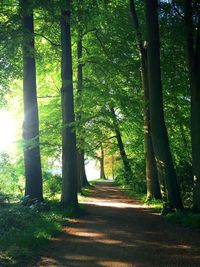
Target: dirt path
column 120, row 232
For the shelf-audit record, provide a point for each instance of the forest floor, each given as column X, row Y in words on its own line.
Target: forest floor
column 119, row 231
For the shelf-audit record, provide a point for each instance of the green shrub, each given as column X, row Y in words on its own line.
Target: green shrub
column 186, row 218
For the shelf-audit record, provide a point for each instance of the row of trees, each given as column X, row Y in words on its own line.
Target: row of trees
column 33, row 172
column 109, row 55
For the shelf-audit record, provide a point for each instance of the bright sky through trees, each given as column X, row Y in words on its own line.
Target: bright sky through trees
column 8, row 131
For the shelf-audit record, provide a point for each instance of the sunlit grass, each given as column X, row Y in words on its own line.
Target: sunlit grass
column 155, row 204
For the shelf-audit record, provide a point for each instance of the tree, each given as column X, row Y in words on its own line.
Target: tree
column 127, row 167
column 160, row 140
column 81, row 153
column 102, row 159
column 32, row 159
column 153, row 187
column 193, row 58
column 69, row 153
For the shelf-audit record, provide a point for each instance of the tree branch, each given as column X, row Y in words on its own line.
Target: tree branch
column 46, row 38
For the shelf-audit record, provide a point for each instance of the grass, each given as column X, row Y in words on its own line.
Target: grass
column 185, row 218
column 153, row 203
column 25, row 230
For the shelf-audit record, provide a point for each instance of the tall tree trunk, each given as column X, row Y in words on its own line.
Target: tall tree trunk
column 160, row 140
column 102, row 160
column 193, row 58
column 127, row 167
column 78, row 172
column 32, row 160
column 153, row 187
column 83, row 176
column 82, row 172
column 113, row 168
column 69, row 153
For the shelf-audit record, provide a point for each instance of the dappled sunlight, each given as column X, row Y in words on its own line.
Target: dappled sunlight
column 114, row 204
column 80, row 257
column 87, row 234
column 119, row 231
column 116, row 264
column 8, row 131
column 109, row 241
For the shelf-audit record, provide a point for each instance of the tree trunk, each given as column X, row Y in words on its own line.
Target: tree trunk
column 127, row 167
column 83, row 176
column 153, row 187
column 113, row 168
column 160, row 140
column 82, row 172
column 193, row 58
column 78, row 171
column 32, row 160
column 102, row 172
column 69, row 153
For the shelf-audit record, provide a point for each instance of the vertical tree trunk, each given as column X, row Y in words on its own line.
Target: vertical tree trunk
column 82, row 172
column 160, row 140
column 69, row 154
column 78, row 171
column 83, row 176
column 193, row 58
column 32, row 160
column 127, row 167
column 102, row 171
column 113, row 168
column 153, row 187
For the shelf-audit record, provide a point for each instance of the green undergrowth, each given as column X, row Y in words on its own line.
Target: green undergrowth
column 85, row 192
column 97, row 180
column 185, row 218
column 140, row 195
column 153, row 203
column 25, row 230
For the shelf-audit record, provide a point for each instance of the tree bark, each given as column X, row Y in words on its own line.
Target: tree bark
column 160, row 140
column 82, row 172
column 32, row 160
column 127, row 167
column 78, row 172
column 153, row 187
column 83, row 176
column 193, row 59
column 102, row 171
column 69, row 153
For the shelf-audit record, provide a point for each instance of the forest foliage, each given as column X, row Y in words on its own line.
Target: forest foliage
column 111, row 78
column 107, row 119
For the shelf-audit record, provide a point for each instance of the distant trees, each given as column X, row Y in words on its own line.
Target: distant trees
column 128, row 172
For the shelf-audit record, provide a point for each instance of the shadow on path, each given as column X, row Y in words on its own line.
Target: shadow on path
column 118, row 231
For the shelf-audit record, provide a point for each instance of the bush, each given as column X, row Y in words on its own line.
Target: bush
column 52, row 184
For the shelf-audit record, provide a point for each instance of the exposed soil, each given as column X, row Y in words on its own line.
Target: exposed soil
column 119, row 231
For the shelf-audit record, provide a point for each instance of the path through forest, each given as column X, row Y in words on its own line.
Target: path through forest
column 118, row 231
